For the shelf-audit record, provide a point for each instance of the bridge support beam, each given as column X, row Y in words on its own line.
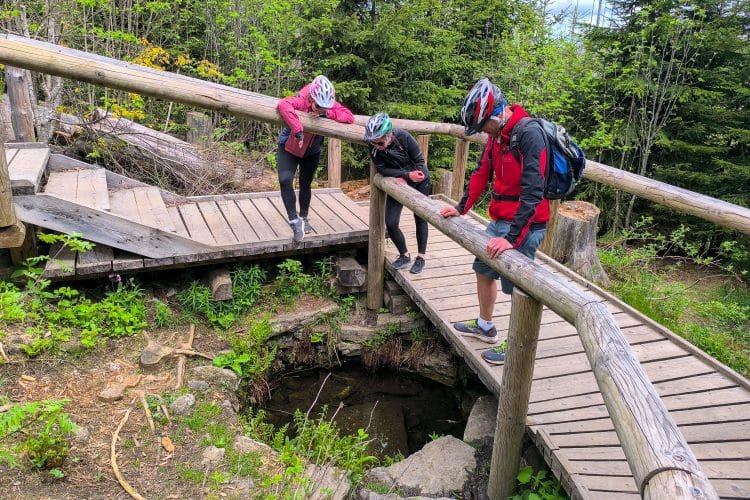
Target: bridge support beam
column 513, row 406
column 375, row 249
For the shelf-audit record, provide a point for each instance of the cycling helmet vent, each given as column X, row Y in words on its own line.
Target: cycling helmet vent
column 322, row 92
column 377, row 126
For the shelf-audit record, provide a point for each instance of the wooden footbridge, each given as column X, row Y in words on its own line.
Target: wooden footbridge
column 620, row 407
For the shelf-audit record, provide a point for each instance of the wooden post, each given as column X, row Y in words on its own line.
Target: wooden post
column 444, row 183
column 424, row 145
column 376, row 244
column 459, row 168
column 548, row 242
column 574, row 237
column 199, row 129
column 334, row 163
column 22, row 116
column 12, row 231
column 513, row 406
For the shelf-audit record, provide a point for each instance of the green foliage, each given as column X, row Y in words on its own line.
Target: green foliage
column 250, row 356
column 203, row 414
column 163, row 315
column 537, row 486
column 246, row 288
column 45, row 426
column 292, row 281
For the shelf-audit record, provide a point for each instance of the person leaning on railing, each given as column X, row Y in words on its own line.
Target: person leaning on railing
column 395, row 153
column 299, row 148
column 518, row 209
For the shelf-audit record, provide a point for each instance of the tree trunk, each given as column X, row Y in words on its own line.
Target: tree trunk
column 574, row 237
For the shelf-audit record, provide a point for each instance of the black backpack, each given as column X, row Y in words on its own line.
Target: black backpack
column 565, row 159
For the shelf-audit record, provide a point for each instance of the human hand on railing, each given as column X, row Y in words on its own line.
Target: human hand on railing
column 449, row 212
column 416, row 176
column 496, row 246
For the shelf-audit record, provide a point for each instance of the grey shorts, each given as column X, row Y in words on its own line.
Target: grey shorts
column 500, row 228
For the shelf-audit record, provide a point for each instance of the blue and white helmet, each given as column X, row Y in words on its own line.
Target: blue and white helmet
column 322, row 92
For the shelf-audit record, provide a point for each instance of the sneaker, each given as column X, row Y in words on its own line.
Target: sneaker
column 496, row 355
column 401, row 262
column 418, row 266
column 472, row 329
column 308, row 227
column 298, row 229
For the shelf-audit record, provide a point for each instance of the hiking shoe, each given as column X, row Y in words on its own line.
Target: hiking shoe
column 472, row 329
column 418, row 266
column 298, row 229
column 496, row 355
column 401, row 262
column 308, row 227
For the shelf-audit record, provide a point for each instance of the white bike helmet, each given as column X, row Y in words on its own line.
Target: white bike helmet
column 322, row 92
column 377, row 126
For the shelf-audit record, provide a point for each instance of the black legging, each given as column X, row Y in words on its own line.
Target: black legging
column 287, row 167
column 393, row 217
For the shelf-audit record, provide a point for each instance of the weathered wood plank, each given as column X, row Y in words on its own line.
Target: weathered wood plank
column 151, row 208
column 91, row 189
column 195, row 224
column 63, row 184
column 236, row 219
column 351, row 213
column 220, row 229
column 122, row 202
column 331, row 217
column 275, row 220
column 738, row 450
column 26, row 169
column 126, row 261
column 103, row 227
column 97, row 260
column 177, row 222
column 259, row 223
column 62, row 262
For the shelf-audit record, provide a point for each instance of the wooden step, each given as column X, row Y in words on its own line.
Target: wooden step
column 86, row 186
column 26, row 165
column 144, row 205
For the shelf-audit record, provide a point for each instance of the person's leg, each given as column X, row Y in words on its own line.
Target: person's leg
column 487, row 294
column 308, row 165
column 287, row 167
column 422, row 226
column 392, row 219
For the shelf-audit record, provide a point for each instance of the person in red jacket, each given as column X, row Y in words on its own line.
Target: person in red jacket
column 518, row 209
column 298, row 148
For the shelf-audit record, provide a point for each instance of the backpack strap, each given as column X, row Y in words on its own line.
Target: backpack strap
column 514, row 143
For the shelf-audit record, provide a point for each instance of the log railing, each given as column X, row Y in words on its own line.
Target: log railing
column 660, row 460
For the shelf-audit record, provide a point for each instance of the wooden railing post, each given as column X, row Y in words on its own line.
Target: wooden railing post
column 376, row 244
column 424, row 145
column 334, row 162
column 459, row 168
column 523, row 332
column 12, row 231
column 21, row 113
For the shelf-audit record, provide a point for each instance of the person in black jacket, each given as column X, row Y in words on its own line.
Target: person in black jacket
column 395, row 153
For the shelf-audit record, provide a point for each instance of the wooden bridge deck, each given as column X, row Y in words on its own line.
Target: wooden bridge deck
column 567, row 417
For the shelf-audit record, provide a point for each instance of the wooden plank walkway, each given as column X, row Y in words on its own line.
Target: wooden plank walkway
column 26, row 163
column 242, row 226
column 567, row 416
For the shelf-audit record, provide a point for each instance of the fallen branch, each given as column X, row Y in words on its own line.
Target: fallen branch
column 182, row 359
column 113, row 458
column 163, row 407
column 144, row 403
column 2, row 353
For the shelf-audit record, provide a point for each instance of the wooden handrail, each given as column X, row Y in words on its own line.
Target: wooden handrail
column 77, row 65
column 652, row 442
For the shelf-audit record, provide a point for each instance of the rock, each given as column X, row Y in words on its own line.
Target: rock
column 480, row 426
column 213, row 455
column 239, row 488
column 399, row 304
column 182, row 405
column 244, row 444
column 355, row 333
column 16, row 342
column 215, row 375
column 349, row 348
column 401, row 323
column 113, row 392
column 292, row 321
column 440, row 366
column 198, row 385
column 438, row 469
column 328, row 482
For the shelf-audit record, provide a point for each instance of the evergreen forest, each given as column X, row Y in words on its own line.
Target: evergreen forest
column 659, row 88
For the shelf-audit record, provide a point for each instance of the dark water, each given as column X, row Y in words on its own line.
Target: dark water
column 400, row 412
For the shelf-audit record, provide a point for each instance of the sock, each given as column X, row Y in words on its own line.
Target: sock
column 485, row 325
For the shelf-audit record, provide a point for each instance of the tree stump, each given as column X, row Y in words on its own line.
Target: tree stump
column 574, row 240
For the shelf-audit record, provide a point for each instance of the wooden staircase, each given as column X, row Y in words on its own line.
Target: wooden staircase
column 136, row 225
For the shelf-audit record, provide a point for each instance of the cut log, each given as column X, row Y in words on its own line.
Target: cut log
column 220, row 283
column 350, row 273
column 444, row 183
column 398, row 304
column 574, row 240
